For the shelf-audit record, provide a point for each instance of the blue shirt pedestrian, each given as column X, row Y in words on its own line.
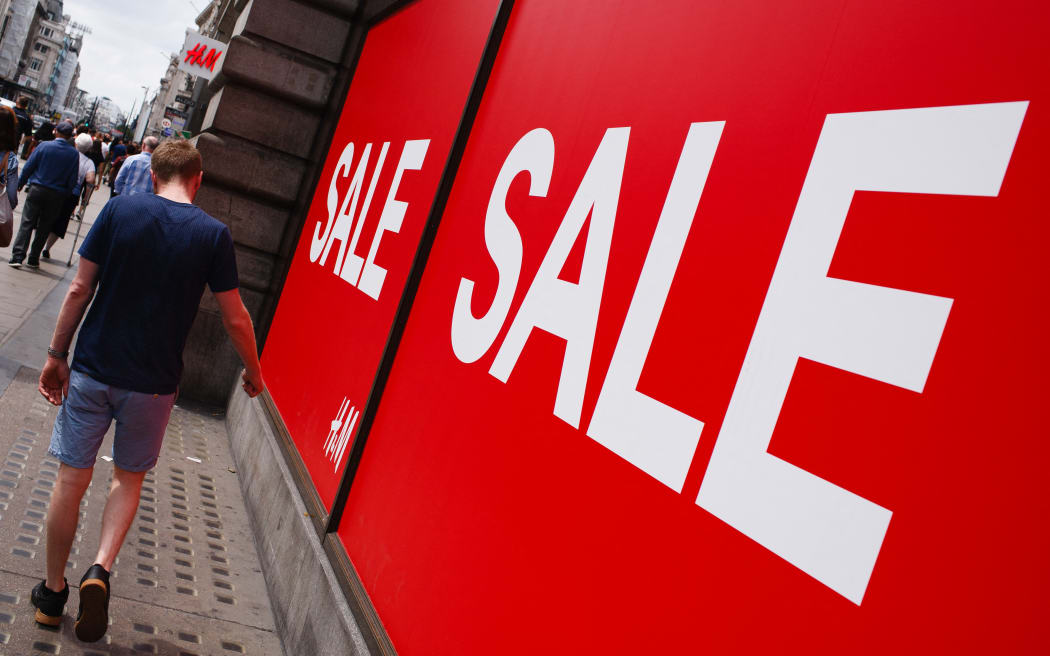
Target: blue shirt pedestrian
column 117, row 150
column 53, row 164
column 134, row 176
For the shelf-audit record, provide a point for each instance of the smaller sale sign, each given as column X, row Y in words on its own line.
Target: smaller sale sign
column 365, row 222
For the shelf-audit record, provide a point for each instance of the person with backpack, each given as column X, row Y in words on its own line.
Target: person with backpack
column 25, row 125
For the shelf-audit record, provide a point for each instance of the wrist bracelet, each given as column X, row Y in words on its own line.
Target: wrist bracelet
column 62, row 355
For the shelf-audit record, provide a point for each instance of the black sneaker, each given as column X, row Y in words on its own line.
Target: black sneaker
column 14, row 263
column 46, row 255
column 93, row 618
column 49, row 605
column 33, row 264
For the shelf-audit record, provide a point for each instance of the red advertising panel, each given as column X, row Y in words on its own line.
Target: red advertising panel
column 732, row 340
column 365, row 221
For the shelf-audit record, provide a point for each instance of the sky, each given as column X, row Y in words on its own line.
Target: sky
column 123, row 53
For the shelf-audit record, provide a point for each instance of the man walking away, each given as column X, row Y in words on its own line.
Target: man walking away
column 134, row 176
column 149, row 257
column 104, row 164
column 25, row 125
column 85, row 180
column 51, row 172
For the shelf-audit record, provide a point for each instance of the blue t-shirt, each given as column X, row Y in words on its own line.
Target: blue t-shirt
column 154, row 257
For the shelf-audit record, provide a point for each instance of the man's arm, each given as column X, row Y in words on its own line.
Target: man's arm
column 54, row 379
column 238, row 324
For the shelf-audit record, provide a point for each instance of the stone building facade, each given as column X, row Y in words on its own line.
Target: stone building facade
column 263, row 138
column 39, row 53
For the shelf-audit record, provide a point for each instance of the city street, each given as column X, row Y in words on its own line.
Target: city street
column 686, row 327
column 189, row 579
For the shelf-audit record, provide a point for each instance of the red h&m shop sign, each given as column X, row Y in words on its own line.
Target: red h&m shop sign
column 201, row 55
column 735, row 320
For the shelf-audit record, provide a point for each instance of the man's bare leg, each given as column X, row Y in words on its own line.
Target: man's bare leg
column 120, row 510
column 51, row 239
column 62, row 517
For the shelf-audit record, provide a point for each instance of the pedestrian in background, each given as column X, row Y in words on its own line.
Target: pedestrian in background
column 85, row 179
column 9, row 134
column 44, row 133
column 25, row 125
column 104, row 164
column 51, row 173
column 134, row 175
column 145, row 262
column 97, row 154
column 118, row 152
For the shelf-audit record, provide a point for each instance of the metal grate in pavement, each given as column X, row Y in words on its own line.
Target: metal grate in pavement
column 188, row 579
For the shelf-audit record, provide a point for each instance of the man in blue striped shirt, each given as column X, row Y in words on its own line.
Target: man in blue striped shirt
column 134, row 177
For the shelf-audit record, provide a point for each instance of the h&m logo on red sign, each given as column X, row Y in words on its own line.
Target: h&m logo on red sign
column 339, row 432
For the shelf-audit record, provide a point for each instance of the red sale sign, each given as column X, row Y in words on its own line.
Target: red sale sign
column 365, row 221
column 732, row 339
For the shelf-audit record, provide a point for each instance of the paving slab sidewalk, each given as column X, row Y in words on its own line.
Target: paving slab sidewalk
column 34, row 295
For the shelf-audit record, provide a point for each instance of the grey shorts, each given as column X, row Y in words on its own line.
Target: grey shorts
column 85, row 417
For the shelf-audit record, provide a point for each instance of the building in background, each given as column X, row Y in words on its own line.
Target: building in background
column 104, row 114
column 21, row 20
column 172, row 101
column 45, row 58
column 142, row 118
column 39, row 53
column 5, row 17
column 78, row 100
column 66, row 71
column 72, row 86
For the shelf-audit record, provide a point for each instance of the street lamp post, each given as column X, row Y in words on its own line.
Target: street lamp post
column 91, row 118
column 127, row 119
column 140, row 122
